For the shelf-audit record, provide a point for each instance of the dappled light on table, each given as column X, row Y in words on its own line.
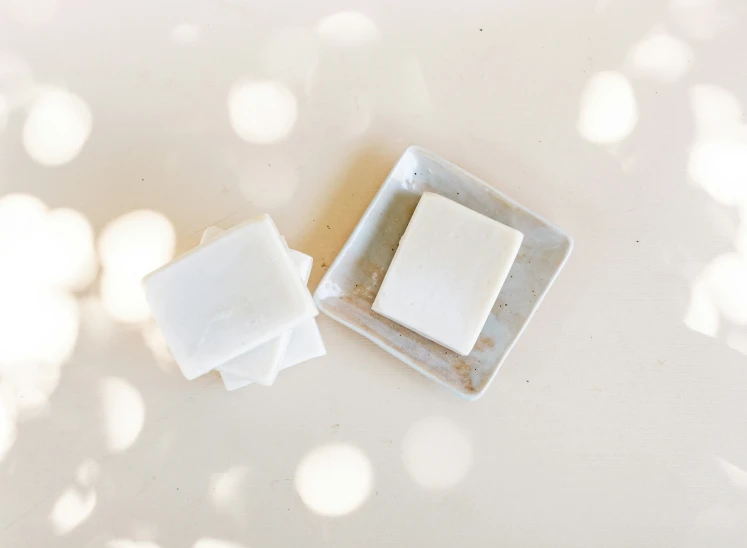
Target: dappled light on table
column 123, row 413
column 137, row 243
column 334, row 479
column 123, row 298
column 57, row 126
column 737, row 340
column 45, row 255
column 185, row 33
column 30, row 315
column 608, row 109
column 437, row 453
column 69, row 250
column 719, row 166
column 702, row 314
column 87, row 472
column 71, row 509
column 53, row 248
column 262, row 112
column 348, row 28
column 226, row 488
column 736, row 475
column 130, row 247
column 727, row 279
column 715, row 109
column 660, row 56
column 719, row 291
column 718, row 158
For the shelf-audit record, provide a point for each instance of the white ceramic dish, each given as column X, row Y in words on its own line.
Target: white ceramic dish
column 349, row 287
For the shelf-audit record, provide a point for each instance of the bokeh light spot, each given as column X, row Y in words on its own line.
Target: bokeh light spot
column 20, row 213
column 736, row 475
column 124, row 413
column 262, row 112
column 137, row 243
column 660, row 56
column 226, row 487
column 57, row 126
column 69, row 250
column 31, row 384
column 715, row 109
column 38, row 325
column 123, row 297
column 335, row 479
column 737, row 341
column 702, row 314
column 437, row 453
column 348, row 28
column 727, row 278
column 719, row 166
column 87, row 472
column 130, row 247
column 43, row 256
column 608, row 109
column 71, row 509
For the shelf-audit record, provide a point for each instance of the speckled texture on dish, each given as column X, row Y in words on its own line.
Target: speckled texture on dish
column 347, row 291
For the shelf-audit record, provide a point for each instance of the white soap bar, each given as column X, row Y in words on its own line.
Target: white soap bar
column 260, row 365
column 305, row 340
column 306, row 343
column 447, row 272
column 226, row 298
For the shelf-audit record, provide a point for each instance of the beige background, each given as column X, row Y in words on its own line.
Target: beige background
column 618, row 420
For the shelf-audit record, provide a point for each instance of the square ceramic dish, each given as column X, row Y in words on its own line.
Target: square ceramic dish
column 349, row 287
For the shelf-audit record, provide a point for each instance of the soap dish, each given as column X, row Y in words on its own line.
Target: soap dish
column 349, row 287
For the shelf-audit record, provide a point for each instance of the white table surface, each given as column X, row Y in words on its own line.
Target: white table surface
column 619, row 419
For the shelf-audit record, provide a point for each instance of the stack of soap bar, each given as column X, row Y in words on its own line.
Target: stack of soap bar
column 232, row 302
column 295, row 346
column 447, row 272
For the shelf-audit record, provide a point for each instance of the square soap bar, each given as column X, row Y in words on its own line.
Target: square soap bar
column 221, row 300
column 447, row 272
column 303, row 343
column 261, row 364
